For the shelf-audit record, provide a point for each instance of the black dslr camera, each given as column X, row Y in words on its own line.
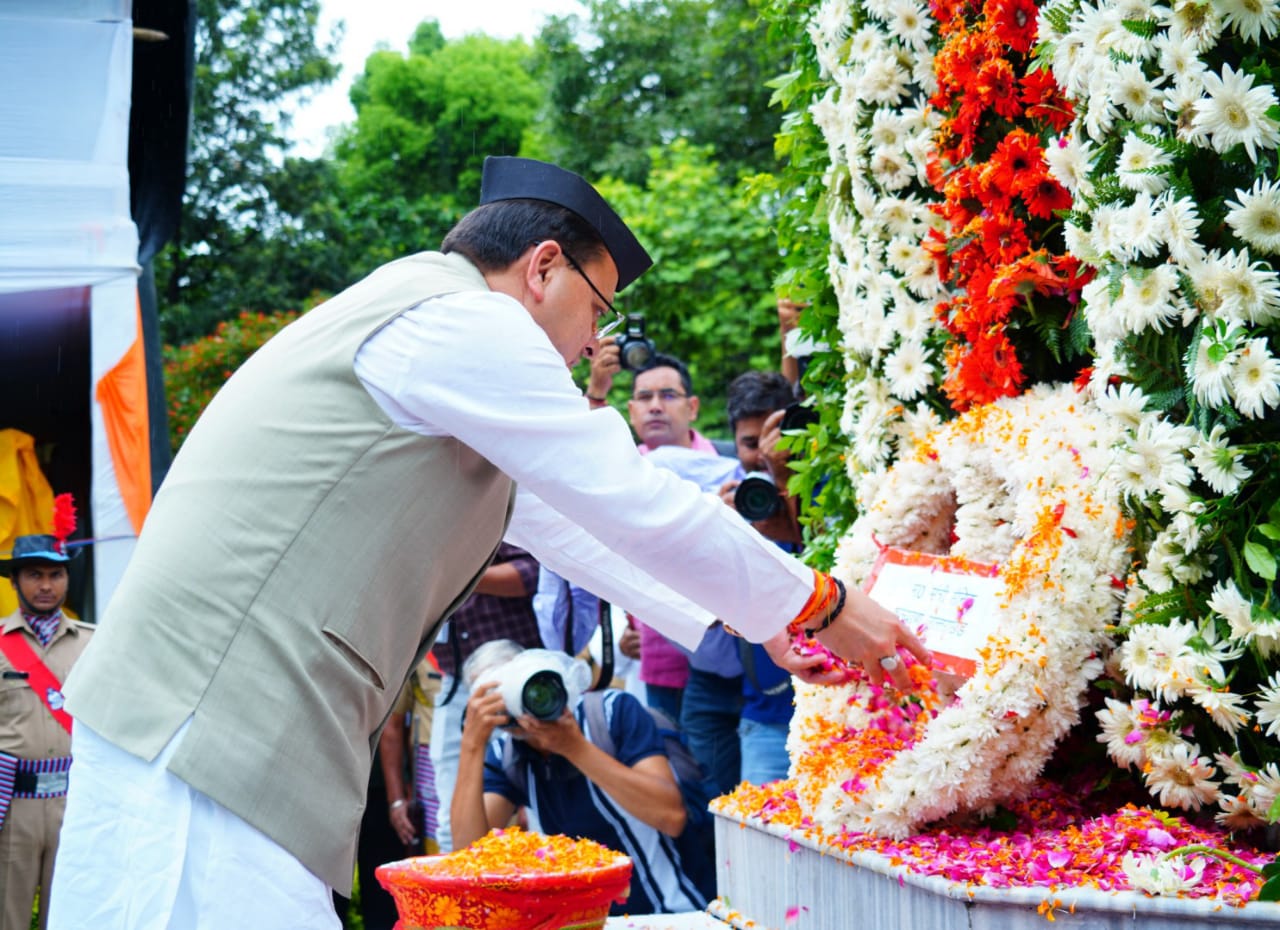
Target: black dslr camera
column 635, row 350
column 757, row 497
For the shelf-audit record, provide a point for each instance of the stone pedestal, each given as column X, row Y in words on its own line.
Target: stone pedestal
column 768, row 878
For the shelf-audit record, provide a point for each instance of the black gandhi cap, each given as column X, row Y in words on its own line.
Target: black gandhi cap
column 507, row 178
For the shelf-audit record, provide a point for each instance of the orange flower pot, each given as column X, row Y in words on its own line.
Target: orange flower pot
column 431, row 895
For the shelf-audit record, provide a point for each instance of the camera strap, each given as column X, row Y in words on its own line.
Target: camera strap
column 605, row 621
column 606, row 646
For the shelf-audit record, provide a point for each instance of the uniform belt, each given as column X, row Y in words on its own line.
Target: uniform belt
column 39, row 784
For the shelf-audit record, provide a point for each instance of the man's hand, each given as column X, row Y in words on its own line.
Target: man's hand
column 561, row 736
column 776, row 460
column 868, row 633
column 808, row 667
column 629, row 643
column 401, row 823
column 606, row 362
column 486, row 711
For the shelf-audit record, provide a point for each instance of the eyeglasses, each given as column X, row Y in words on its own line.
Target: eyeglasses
column 666, row 395
column 616, row 321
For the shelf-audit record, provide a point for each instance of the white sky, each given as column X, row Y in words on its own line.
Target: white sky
column 370, row 23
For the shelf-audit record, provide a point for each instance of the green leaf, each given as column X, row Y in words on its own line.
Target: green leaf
column 1260, row 560
column 1270, row 891
column 1269, row 530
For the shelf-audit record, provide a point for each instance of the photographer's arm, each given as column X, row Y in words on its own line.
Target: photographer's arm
column 473, row 811
column 391, row 755
column 646, row 790
column 605, row 364
column 784, row 526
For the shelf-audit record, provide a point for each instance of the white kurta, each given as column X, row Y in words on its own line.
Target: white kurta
column 588, row 505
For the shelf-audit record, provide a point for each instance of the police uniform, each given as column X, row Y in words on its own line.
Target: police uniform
column 30, row 734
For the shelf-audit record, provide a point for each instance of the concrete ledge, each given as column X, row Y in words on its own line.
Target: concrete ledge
column 768, row 878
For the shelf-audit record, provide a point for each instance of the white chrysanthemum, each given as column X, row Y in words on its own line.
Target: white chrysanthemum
column 902, row 252
column 1149, row 658
column 1227, row 602
column 1268, row 705
column 1103, row 31
column 1124, row 402
column 1234, row 112
column 1210, row 372
column 1182, row 778
column 883, row 81
column 1120, row 731
column 1251, row 18
column 899, row 215
column 1197, row 23
column 1069, row 159
column 1148, row 298
column 1102, row 112
column 1180, row 229
column 910, row 22
column 1069, row 53
column 1221, row 466
column 1179, row 59
column 887, row 128
column 1157, row 875
column 909, row 371
column 1141, row 165
column 1255, row 216
column 911, row 319
column 1132, row 90
column 1255, row 380
column 1104, row 234
column 1137, row 229
column 1247, row 291
column 890, row 168
column 867, row 43
column 1224, row 707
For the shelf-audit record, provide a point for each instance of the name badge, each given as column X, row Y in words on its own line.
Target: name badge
column 51, row 783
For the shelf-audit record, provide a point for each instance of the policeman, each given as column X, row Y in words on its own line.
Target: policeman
column 37, row 648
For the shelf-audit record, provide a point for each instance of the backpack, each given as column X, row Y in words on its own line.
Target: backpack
column 696, row 844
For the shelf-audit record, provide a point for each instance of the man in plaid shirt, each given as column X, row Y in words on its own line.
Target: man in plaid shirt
column 500, row 608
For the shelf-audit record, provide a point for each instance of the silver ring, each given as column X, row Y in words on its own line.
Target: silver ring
column 889, row 663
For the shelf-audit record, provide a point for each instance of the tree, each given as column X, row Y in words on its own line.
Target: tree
column 644, row 73
column 253, row 57
column 425, row 122
column 709, row 298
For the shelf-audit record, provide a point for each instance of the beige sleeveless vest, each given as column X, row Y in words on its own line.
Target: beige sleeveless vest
column 296, row 564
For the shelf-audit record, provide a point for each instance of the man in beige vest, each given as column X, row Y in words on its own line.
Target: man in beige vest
column 337, row 500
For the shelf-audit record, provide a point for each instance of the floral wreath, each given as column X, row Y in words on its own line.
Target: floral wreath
column 1023, row 483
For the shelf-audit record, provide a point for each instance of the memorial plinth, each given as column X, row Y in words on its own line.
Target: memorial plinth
column 770, row 877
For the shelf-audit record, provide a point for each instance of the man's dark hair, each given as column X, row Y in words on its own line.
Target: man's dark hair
column 758, row 393
column 658, row 360
column 494, row 235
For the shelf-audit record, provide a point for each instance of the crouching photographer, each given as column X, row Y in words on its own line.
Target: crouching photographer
column 528, row 741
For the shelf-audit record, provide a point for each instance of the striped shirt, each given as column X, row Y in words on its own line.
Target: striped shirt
column 561, row 799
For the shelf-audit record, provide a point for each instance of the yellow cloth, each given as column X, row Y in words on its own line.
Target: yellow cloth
column 26, row 500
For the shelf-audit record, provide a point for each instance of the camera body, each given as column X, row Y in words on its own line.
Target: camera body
column 635, row 349
column 757, row 497
column 797, row 416
column 540, row 683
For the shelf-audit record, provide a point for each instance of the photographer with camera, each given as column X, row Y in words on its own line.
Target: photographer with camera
column 527, row 741
column 761, row 406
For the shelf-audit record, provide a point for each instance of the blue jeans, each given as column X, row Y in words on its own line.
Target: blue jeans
column 764, row 751
column 666, row 699
column 709, row 718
